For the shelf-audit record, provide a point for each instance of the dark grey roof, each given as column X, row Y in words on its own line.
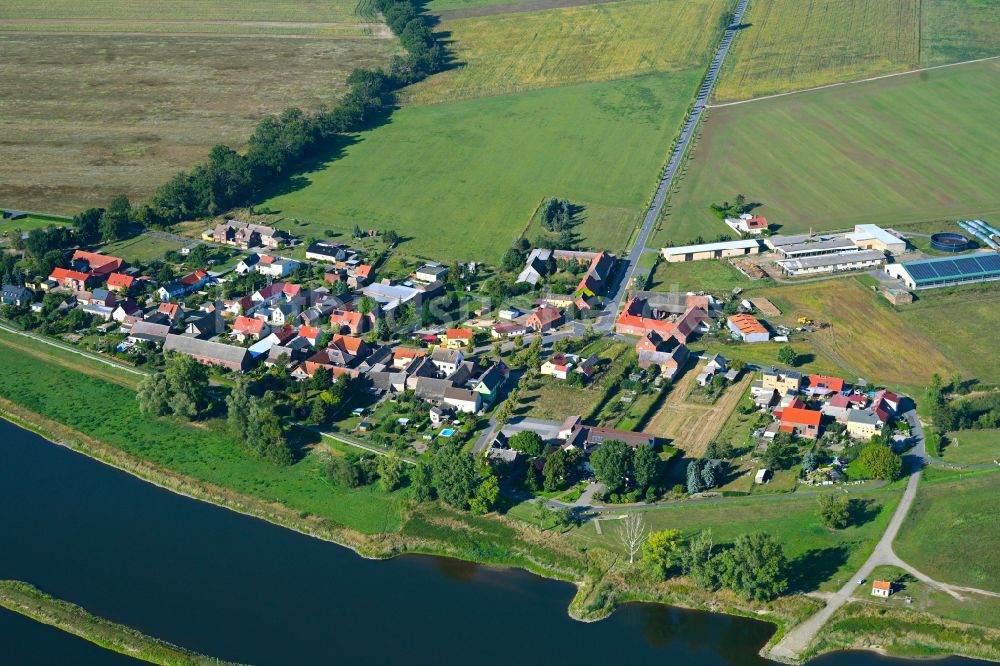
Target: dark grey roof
column 445, row 355
column 206, row 349
column 429, row 388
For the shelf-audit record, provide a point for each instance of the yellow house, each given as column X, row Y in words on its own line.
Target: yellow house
column 456, row 338
column 783, row 381
column 863, row 424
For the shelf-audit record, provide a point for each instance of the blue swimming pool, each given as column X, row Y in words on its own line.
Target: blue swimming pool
column 447, row 432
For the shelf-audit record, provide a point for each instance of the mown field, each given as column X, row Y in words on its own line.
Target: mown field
column 109, row 412
column 820, row 558
column 115, row 97
column 597, row 227
column 911, row 148
column 957, row 30
column 461, row 180
column 528, row 50
column 973, row 447
column 963, row 324
column 954, row 520
column 865, row 337
column 793, row 44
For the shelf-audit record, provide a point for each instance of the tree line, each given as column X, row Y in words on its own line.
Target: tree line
column 281, row 144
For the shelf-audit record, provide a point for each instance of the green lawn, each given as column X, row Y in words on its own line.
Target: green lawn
column 811, row 359
column 109, row 412
column 460, row 180
column 973, row 447
column 141, row 248
column 31, row 222
column 910, row 148
column 953, row 520
column 716, row 277
column 820, row 558
column 597, row 227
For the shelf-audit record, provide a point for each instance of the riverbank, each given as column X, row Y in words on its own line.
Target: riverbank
column 31, row 602
column 603, row 580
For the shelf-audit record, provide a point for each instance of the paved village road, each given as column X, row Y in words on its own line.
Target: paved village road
column 606, row 320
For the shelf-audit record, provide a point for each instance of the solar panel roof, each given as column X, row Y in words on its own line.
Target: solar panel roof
column 947, row 269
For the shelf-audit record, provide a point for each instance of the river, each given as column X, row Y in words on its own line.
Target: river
column 241, row 589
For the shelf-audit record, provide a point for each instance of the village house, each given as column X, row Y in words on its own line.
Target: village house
column 881, row 588
column 328, row 251
column 250, row 328
column 440, row 414
column 800, row 421
column 349, row 321
column 648, row 313
column 246, row 236
column 446, row 360
column 97, row 265
column 187, row 284
column 589, row 438
column 403, row 357
column 863, row 424
column 558, row 365
column 276, row 267
column 823, row 385
column 431, row 272
column 341, row 356
column 456, row 338
column 13, row 294
column 70, row 279
column 782, row 381
column 716, row 364
column 489, row 383
column 544, row 319
column 247, row 264
column 536, row 266
column 310, row 334
column 205, row 325
column 747, row 224
column 505, row 330
column 463, row 400
column 120, row 282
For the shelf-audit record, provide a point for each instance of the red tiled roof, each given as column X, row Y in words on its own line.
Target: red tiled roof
column 66, row 274
column 309, row 332
column 882, row 585
column 169, row 309
column 347, row 343
column 459, row 334
column 747, row 324
column 99, row 263
column 120, row 280
column 193, row 278
column 364, row 270
column 799, row 416
column 248, row 325
column 830, row 383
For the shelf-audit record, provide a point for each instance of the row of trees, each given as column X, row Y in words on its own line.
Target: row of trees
column 754, row 566
column 280, row 144
column 458, row 479
column 255, row 423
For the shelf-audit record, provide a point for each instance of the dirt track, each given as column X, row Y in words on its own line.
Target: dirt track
column 691, row 426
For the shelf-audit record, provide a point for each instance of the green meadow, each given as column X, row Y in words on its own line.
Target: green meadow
column 109, row 412
column 907, row 149
column 461, row 180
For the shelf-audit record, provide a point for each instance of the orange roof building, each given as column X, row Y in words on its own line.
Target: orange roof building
column 748, row 328
column 800, row 421
column 830, row 384
column 97, row 264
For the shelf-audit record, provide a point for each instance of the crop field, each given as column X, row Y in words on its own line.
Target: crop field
column 957, row 30
column 313, row 11
column 953, row 520
column 794, row 44
column 459, row 181
column 523, row 51
column 109, row 97
column 864, row 338
column 962, row 323
column 911, row 148
column 822, row 559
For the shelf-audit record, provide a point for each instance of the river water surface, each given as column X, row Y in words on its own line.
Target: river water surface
column 241, row 589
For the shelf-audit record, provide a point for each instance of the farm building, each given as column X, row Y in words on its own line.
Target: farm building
column 874, row 237
column 832, row 263
column 747, row 224
column 738, row 248
column 209, row 352
column 748, row 328
column 806, row 246
column 983, row 267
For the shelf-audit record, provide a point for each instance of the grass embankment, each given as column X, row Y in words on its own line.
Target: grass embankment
column 905, row 149
column 31, row 602
column 108, row 97
column 458, row 181
column 916, row 621
column 953, row 520
column 528, row 50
